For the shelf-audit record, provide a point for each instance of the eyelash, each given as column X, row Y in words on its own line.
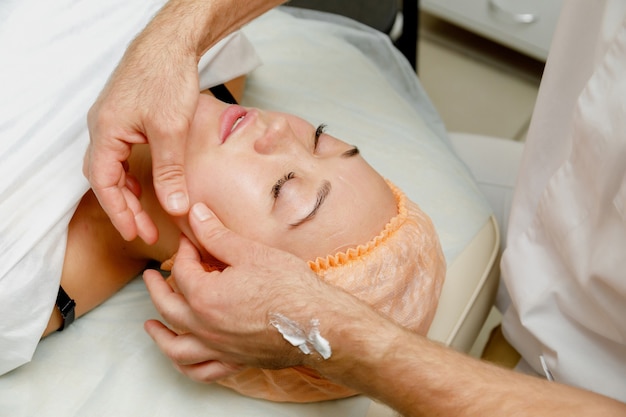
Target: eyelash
column 279, row 184
column 318, row 132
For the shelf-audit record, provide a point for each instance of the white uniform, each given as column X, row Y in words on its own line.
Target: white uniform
column 565, row 261
column 56, row 57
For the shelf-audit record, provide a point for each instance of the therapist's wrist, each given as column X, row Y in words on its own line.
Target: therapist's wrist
column 200, row 24
column 359, row 337
column 376, row 357
column 179, row 29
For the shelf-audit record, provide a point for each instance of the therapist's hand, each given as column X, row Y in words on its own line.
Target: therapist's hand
column 222, row 319
column 150, row 98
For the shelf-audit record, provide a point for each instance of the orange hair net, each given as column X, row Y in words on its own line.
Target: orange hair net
column 399, row 273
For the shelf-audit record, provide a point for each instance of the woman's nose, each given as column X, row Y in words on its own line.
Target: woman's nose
column 277, row 137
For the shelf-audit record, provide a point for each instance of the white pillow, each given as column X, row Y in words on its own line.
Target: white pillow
column 318, row 70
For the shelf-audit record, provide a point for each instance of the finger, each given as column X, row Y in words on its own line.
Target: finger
column 133, row 184
column 171, row 306
column 168, row 154
column 209, row 371
column 103, row 166
column 187, row 269
column 222, row 243
column 146, row 229
column 116, row 206
column 182, row 349
column 187, row 252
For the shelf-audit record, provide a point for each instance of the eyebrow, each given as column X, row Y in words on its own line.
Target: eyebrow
column 322, row 193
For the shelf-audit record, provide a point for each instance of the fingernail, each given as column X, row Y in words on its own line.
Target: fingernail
column 177, row 202
column 201, row 212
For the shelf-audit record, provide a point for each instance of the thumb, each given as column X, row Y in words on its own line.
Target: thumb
column 169, row 175
column 222, row 243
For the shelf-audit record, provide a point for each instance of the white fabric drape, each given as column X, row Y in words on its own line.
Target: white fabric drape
column 565, row 261
column 56, row 57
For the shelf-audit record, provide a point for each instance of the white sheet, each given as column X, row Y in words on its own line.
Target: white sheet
column 104, row 364
column 56, row 58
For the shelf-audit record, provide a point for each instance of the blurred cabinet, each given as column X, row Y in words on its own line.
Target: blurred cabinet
column 523, row 25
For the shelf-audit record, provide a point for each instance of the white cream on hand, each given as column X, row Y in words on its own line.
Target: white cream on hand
column 307, row 340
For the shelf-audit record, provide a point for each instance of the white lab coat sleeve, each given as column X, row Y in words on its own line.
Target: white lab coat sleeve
column 565, row 258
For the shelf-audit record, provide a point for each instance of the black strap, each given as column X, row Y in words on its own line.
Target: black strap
column 221, row 93
column 66, row 306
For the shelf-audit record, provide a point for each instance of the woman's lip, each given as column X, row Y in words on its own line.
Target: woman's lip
column 229, row 118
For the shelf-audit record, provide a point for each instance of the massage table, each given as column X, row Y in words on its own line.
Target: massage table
column 327, row 69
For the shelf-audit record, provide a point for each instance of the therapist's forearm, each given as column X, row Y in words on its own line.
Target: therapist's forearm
column 418, row 377
column 196, row 25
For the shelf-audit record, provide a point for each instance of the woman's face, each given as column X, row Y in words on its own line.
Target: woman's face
column 277, row 179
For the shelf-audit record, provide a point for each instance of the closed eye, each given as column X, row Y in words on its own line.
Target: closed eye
column 321, row 197
column 318, row 132
column 279, row 184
